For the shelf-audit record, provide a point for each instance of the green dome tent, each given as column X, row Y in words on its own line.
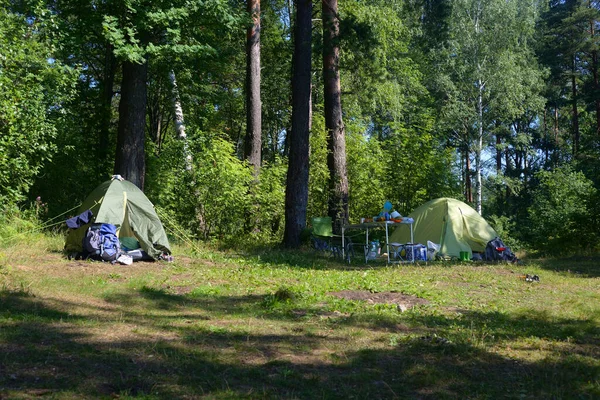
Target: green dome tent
column 451, row 224
column 121, row 203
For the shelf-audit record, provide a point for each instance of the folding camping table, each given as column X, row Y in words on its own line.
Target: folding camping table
column 377, row 225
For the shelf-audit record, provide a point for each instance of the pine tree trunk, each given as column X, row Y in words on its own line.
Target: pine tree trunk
column 107, row 95
column 478, row 149
column 336, row 139
column 546, row 139
column 129, row 161
column 594, row 68
column 296, row 193
column 507, row 172
column 253, row 101
column 498, row 152
column 575, row 110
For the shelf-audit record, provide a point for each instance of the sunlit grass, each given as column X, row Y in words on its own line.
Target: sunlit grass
column 263, row 323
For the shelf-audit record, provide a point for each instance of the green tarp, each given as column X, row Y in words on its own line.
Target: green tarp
column 121, row 203
column 450, row 223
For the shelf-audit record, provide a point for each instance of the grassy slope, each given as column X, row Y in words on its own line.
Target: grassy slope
column 223, row 325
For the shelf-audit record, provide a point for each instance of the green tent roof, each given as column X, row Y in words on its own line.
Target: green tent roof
column 121, row 203
column 452, row 224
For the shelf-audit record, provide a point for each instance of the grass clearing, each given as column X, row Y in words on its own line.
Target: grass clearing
column 275, row 324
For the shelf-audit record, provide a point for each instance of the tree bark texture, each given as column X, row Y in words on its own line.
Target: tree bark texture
column 296, row 193
column 468, row 184
column 594, row 68
column 129, row 161
column 180, row 121
column 498, row 154
column 336, row 138
column 478, row 150
column 110, row 66
column 575, row 109
column 253, row 102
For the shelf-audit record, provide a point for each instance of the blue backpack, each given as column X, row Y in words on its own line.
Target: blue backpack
column 101, row 242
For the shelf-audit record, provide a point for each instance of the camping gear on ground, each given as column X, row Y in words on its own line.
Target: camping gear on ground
column 125, row 259
column 372, row 251
column 322, row 232
column 451, row 223
column 139, row 255
column 367, row 227
column 432, row 250
column 530, row 278
column 325, row 240
column 101, row 242
column 496, row 250
column 415, row 252
column 124, row 205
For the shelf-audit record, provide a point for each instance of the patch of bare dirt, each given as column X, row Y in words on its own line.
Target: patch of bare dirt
column 400, row 299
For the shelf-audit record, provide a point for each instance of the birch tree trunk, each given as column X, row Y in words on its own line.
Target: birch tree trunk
column 180, row 121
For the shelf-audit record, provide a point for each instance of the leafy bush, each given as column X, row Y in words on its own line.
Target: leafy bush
column 19, row 225
column 505, row 227
column 561, row 213
column 218, row 194
column 219, row 197
column 366, row 175
column 34, row 87
column 267, row 201
column 318, row 174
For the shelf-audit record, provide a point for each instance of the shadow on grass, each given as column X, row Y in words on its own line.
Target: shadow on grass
column 309, row 258
column 577, row 265
column 45, row 351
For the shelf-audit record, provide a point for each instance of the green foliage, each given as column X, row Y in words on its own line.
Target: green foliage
column 411, row 73
column 560, row 215
column 506, row 228
column 139, row 29
column 33, row 89
column 267, row 202
column 219, row 197
column 417, row 170
column 20, row 225
column 318, row 178
column 216, row 200
column 366, row 175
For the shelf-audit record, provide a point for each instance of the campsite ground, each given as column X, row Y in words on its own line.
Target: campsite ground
column 272, row 324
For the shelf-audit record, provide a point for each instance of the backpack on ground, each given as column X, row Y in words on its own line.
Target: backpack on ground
column 101, row 242
column 496, row 250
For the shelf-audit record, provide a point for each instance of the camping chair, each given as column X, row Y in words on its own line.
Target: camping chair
column 323, row 239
